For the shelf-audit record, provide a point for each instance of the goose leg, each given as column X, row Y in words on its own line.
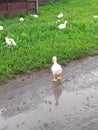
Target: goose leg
column 54, row 78
column 59, row 77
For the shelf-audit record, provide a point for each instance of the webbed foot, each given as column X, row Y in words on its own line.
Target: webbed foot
column 54, row 80
column 59, row 77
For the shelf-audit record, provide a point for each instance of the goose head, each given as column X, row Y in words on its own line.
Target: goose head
column 54, row 59
column 65, row 22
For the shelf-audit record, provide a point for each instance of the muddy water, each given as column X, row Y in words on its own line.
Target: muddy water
column 63, row 107
column 39, row 104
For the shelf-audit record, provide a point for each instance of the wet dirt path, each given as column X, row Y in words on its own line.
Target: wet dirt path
column 35, row 103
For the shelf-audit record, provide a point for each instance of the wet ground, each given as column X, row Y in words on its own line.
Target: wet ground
column 33, row 102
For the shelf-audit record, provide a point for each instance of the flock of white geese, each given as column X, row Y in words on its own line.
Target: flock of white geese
column 11, row 42
column 55, row 68
column 63, row 25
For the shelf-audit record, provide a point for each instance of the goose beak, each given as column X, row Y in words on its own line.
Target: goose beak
column 52, row 60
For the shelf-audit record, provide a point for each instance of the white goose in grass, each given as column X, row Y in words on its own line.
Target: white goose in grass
column 56, row 70
column 21, row 19
column 1, row 28
column 60, row 15
column 35, row 15
column 95, row 16
column 10, row 41
column 62, row 26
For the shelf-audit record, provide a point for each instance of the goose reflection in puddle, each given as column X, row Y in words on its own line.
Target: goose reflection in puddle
column 57, row 91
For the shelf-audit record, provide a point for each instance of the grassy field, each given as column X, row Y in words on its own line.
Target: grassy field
column 38, row 39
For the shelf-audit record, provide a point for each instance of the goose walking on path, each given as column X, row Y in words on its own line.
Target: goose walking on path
column 56, row 70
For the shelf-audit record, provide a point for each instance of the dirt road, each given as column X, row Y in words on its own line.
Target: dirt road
column 33, row 102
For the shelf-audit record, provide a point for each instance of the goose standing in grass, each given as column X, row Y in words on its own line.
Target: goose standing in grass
column 62, row 26
column 1, row 28
column 56, row 70
column 60, row 15
column 10, row 41
column 21, row 19
column 96, row 16
column 35, row 15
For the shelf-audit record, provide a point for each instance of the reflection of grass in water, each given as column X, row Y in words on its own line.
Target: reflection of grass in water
column 38, row 39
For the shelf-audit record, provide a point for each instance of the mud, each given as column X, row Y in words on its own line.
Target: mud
column 33, row 102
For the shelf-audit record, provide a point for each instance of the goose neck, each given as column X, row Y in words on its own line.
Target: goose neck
column 55, row 62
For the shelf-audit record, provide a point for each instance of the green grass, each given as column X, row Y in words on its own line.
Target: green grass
column 38, row 39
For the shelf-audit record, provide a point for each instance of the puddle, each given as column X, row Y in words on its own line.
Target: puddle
column 56, row 107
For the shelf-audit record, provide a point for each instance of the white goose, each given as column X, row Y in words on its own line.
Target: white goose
column 1, row 28
column 62, row 26
column 60, row 15
column 35, row 15
column 96, row 16
column 10, row 41
column 21, row 19
column 56, row 70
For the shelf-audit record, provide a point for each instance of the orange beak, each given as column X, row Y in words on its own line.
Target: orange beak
column 52, row 61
